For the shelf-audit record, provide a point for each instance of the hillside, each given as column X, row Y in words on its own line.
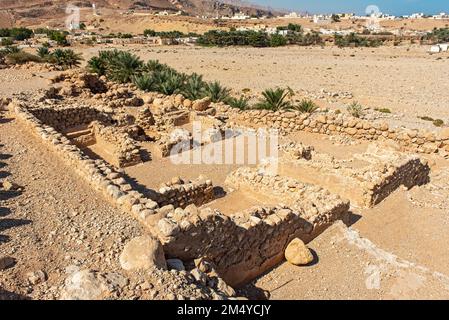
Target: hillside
column 31, row 10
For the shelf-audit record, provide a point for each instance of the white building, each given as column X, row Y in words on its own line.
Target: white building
column 292, row 15
column 417, row 15
column 321, row 18
column 435, row 49
column 441, row 15
column 240, row 16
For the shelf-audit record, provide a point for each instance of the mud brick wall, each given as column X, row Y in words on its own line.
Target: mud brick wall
column 126, row 150
column 245, row 245
column 340, row 124
column 62, row 119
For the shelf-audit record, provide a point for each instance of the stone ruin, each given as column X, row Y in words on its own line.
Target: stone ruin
column 311, row 189
column 366, row 179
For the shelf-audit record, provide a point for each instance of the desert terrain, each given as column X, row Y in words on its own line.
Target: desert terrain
column 350, row 202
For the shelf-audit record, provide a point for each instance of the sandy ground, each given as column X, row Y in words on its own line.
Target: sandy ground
column 394, row 251
column 56, row 223
column 407, row 80
column 351, row 267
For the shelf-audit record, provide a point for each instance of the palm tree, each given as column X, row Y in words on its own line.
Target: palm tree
column 275, row 99
column 43, row 52
column 217, row 92
column 71, row 58
column 153, row 65
column 123, row 66
column 66, row 58
column 145, row 82
column 241, row 103
column 194, row 87
column 306, row 106
column 170, row 82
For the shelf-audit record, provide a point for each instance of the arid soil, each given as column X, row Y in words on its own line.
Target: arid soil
column 406, row 80
column 57, row 223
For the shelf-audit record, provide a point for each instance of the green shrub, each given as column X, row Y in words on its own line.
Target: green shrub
column 439, row 35
column 438, row 123
column 383, row 110
column 355, row 109
column 59, row 37
column 149, row 33
column 21, row 58
column 65, row 58
column 18, row 34
column 294, row 27
column 353, row 40
column 8, row 50
column 122, row 66
column 306, row 106
column 242, row 103
column 145, row 82
column 275, row 99
column 43, row 52
column 426, row 118
column 217, row 92
column 234, row 38
column 7, row 42
column 277, row 40
column 194, row 88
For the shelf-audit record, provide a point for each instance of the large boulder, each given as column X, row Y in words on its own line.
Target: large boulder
column 143, row 253
column 202, row 104
column 297, row 253
column 85, row 285
column 6, row 262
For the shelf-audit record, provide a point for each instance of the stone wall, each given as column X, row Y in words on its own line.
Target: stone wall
column 366, row 179
column 311, row 199
column 64, row 118
column 181, row 194
column 98, row 173
column 408, row 173
column 125, row 150
column 340, row 124
column 246, row 244
column 112, row 183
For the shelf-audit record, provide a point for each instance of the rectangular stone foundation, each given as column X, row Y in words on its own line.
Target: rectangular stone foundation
column 248, row 243
column 365, row 179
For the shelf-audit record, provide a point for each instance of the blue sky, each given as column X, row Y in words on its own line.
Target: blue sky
column 396, row 7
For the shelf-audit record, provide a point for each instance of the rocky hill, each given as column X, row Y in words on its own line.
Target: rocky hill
column 34, row 9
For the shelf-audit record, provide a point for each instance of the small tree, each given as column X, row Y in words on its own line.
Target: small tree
column 277, row 40
column 217, row 92
column 43, row 52
column 242, row 103
column 335, row 18
column 149, row 33
column 275, row 99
